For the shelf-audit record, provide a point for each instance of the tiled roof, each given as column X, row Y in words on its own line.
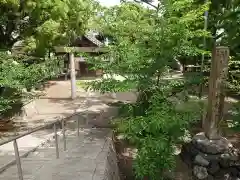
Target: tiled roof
column 91, row 36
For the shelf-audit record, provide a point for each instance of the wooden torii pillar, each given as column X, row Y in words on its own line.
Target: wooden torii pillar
column 70, row 51
column 216, row 95
column 73, row 76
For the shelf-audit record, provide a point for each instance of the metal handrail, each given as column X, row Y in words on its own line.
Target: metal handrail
column 36, row 129
column 15, row 145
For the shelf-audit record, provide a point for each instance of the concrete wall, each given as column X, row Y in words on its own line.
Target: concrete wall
column 112, row 170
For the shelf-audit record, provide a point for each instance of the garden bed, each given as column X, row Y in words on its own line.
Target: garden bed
column 125, row 157
column 126, row 154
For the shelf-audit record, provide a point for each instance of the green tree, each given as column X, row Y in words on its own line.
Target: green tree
column 224, row 26
column 16, row 75
column 224, row 20
column 41, row 24
column 144, row 43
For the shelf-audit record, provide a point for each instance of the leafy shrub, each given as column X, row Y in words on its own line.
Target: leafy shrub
column 234, row 122
column 112, row 85
column 145, row 44
column 155, row 133
column 233, row 80
column 16, row 74
column 234, row 75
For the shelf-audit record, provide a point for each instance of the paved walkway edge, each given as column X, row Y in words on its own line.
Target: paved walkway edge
column 111, row 169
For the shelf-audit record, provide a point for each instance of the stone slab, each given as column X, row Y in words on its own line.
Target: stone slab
column 86, row 158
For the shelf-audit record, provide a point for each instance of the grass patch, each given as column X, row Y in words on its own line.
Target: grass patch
column 82, row 84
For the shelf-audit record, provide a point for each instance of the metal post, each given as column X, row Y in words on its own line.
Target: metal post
column 204, row 42
column 73, row 76
column 202, row 63
column 78, row 124
column 18, row 161
column 64, row 136
column 56, row 141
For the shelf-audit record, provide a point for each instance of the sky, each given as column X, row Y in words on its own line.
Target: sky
column 109, row 2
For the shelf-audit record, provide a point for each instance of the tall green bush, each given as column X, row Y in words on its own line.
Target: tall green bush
column 16, row 75
column 145, row 43
column 157, row 132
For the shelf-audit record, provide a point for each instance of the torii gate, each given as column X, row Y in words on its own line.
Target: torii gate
column 71, row 51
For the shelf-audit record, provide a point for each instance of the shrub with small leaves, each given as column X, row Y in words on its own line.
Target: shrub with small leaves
column 16, row 75
column 145, row 43
column 156, row 133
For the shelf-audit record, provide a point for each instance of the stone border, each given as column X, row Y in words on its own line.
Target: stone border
column 112, row 169
column 211, row 159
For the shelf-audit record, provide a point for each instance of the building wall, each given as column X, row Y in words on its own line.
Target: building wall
column 83, row 69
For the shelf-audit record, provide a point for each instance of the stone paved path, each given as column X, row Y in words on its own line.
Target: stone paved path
column 56, row 104
column 85, row 159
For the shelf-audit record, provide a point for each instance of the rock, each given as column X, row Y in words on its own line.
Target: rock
column 190, row 149
column 214, row 167
column 186, row 158
column 225, row 161
column 208, row 146
column 226, row 177
column 199, row 160
column 235, row 164
column 200, row 172
column 233, row 172
column 231, row 157
column 177, row 150
column 188, row 152
column 224, row 174
column 238, row 167
column 234, row 152
column 229, row 160
column 212, row 157
column 210, row 177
